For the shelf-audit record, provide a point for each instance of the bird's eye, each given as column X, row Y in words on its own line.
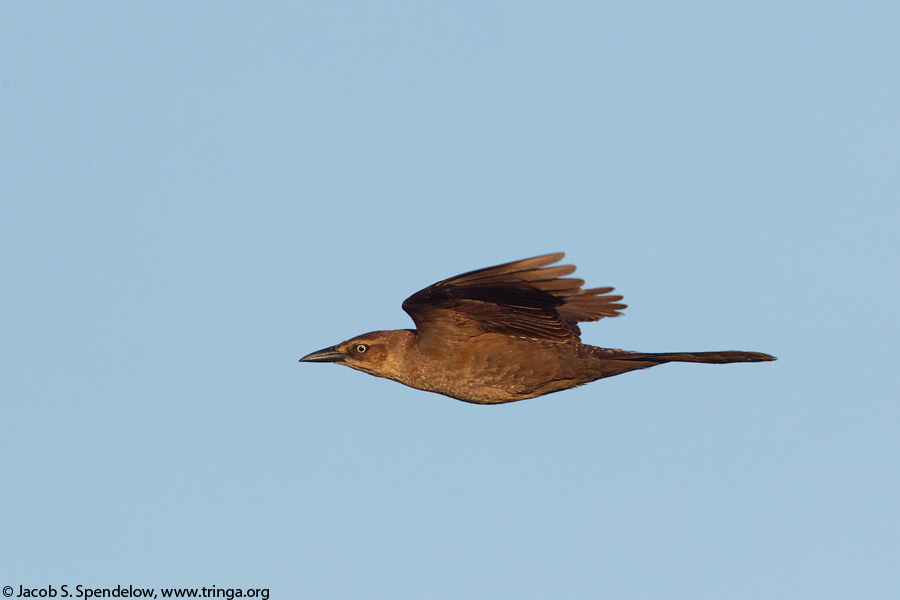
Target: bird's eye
column 360, row 348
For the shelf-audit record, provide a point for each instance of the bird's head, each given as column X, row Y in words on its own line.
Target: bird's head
column 379, row 353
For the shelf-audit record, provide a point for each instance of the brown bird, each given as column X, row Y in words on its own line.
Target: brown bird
column 502, row 334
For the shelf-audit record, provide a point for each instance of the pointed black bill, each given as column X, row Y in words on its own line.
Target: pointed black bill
column 331, row 354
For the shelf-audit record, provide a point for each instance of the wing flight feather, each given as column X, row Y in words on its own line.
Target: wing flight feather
column 523, row 298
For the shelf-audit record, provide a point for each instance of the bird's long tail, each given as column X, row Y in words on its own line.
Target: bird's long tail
column 718, row 358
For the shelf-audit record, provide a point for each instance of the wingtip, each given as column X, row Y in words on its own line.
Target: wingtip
column 539, row 261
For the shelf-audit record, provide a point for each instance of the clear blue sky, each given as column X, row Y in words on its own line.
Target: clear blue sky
column 194, row 195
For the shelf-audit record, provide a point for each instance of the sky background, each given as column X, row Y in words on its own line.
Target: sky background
column 195, row 195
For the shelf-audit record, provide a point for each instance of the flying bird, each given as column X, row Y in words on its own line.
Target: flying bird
column 502, row 334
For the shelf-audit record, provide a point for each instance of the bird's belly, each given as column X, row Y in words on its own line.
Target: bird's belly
column 493, row 369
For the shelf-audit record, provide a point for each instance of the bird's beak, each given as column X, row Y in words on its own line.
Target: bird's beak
column 331, row 354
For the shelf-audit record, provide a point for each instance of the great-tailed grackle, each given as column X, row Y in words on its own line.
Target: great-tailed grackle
column 502, row 334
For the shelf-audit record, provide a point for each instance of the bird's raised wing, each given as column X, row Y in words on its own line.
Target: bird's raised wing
column 523, row 298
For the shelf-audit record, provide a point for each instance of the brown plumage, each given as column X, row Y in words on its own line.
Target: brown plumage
column 502, row 334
